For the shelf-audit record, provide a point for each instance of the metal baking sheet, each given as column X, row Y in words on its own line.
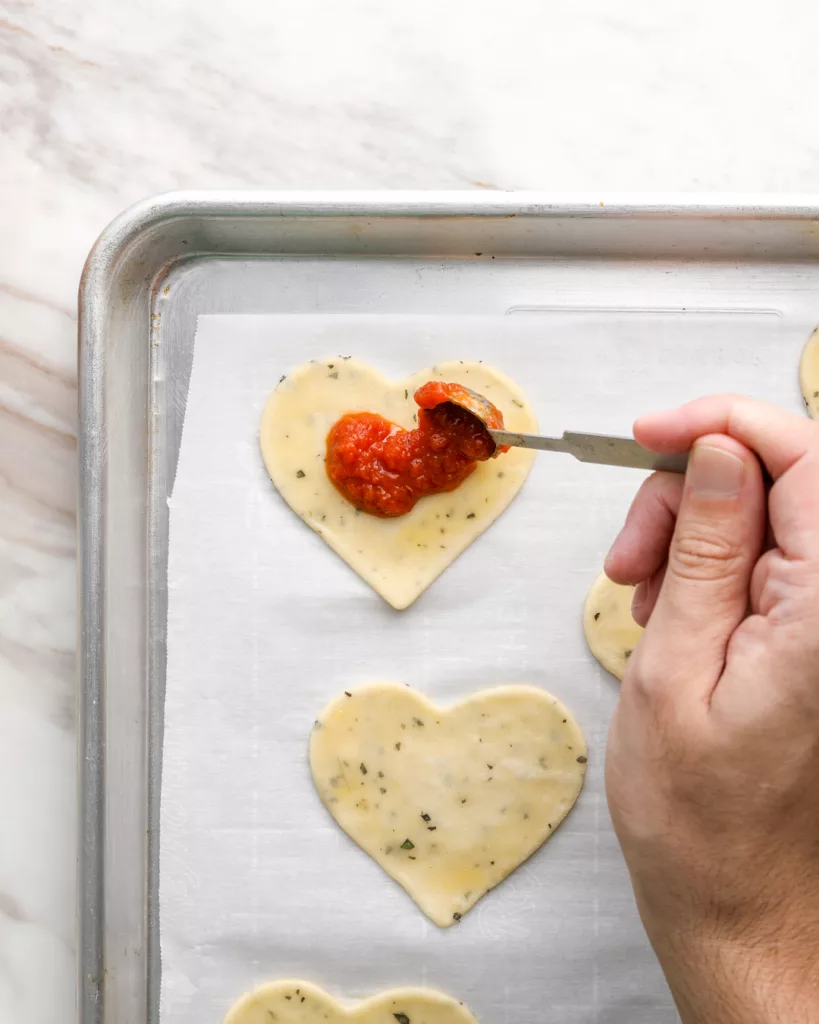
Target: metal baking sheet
column 170, row 259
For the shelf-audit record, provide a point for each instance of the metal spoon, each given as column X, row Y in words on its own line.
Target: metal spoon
column 602, row 449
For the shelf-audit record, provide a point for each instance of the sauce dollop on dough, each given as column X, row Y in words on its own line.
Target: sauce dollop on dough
column 382, row 469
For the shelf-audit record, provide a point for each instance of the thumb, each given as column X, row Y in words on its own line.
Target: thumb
column 716, row 543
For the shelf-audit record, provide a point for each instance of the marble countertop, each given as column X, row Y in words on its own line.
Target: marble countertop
column 102, row 104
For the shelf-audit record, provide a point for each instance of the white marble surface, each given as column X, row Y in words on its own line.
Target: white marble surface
column 103, row 103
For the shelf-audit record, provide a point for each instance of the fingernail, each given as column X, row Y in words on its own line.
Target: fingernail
column 715, row 473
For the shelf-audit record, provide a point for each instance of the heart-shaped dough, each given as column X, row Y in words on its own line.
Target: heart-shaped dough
column 611, row 632
column 449, row 801
column 398, row 557
column 299, row 1002
column 809, row 374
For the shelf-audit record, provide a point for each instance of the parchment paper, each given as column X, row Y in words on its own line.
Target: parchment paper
column 266, row 624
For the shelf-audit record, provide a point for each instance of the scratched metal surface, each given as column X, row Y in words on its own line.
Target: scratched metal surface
column 166, row 261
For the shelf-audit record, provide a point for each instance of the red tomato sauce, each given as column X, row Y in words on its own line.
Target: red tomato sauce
column 383, row 469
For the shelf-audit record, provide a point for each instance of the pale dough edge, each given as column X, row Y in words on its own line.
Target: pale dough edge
column 437, row 1000
column 809, row 374
column 479, row 696
column 605, row 647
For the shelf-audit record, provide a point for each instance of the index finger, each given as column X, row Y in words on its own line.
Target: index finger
column 779, row 437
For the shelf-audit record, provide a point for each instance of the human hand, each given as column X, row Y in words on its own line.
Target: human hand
column 712, row 768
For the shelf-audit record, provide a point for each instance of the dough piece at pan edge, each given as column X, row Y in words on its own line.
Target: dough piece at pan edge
column 399, row 558
column 300, row 1002
column 448, row 801
column 611, row 632
column 809, row 374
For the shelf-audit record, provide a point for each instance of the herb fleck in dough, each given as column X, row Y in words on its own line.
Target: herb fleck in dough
column 399, row 558
column 611, row 632
column 452, row 799
column 809, row 374
column 299, row 1002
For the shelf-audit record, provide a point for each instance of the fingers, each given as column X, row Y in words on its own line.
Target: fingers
column 641, row 547
column 794, row 508
column 716, row 543
column 787, row 444
column 779, row 437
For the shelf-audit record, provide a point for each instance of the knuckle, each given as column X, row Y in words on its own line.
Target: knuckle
column 700, row 552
